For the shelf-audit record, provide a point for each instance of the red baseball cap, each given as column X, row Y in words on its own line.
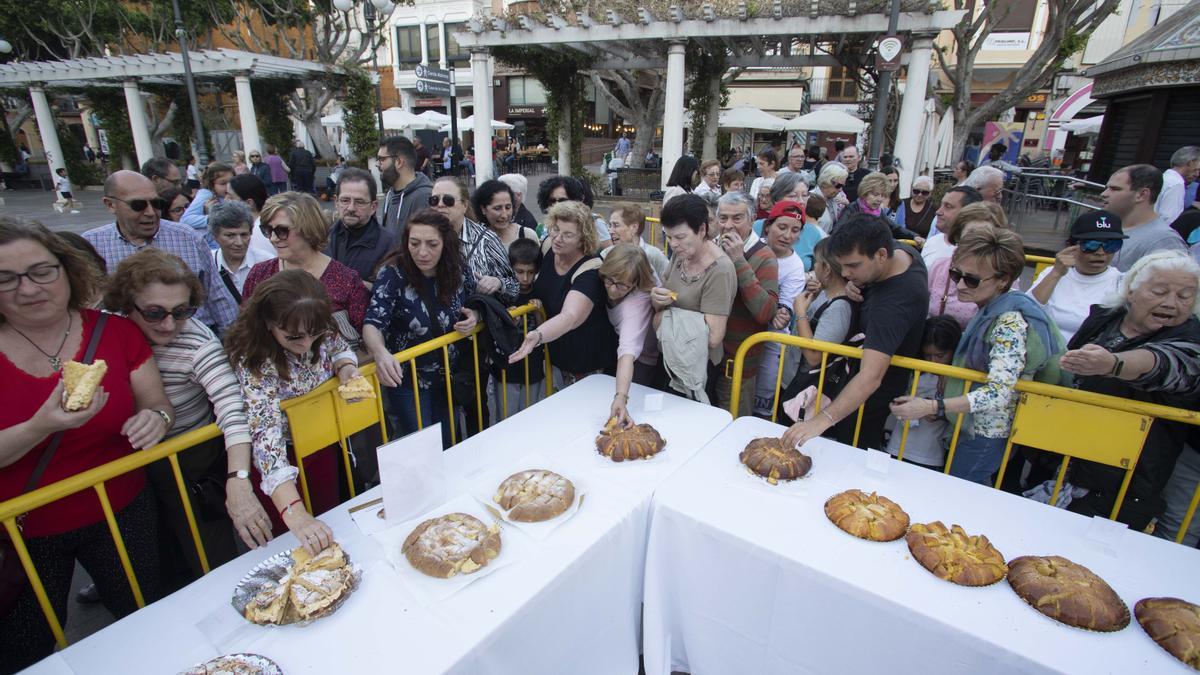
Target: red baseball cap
column 787, row 208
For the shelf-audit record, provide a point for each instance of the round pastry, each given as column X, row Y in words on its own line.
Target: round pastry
column 1174, row 624
column 236, row 664
column 640, row 441
column 768, row 458
column 456, row 543
column 1067, row 592
column 954, row 555
column 534, row 495
column 867, row 516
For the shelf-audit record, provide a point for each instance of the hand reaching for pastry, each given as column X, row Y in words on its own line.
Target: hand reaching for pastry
column 618, row 413
column 313, row 534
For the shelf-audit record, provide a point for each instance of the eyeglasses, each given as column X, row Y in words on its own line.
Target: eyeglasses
column 565, row 236
column 281, row 232
column 971, row 281
column 41, row 275
column 158, row 314
column 140, row 205
column 1110, row 246
column 355, row 203
column 255, row 156
column 381, row 158
column 302, row 336
column 446, row 200
column 617, row 285
column 915, row 191
column 839, row 185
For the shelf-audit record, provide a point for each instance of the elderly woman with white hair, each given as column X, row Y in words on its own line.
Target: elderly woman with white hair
column 1145, row 345
column 916, row 213
column 830, row 182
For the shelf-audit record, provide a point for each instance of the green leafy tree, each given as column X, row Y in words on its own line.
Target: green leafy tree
column 359, row 116
column 559, row 74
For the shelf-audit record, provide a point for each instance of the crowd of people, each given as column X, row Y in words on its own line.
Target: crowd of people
column 219, row 307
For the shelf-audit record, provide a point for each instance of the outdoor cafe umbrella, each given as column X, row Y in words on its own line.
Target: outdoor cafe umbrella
column 826, row 119
column 469, row 124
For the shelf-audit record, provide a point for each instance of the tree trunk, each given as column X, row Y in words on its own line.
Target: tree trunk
column 309, row 111
column 642, row 142
column 157, row 131
column 565, row 150
column 21, row 114
column 712, row 118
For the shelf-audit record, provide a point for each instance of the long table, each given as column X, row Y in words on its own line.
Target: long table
column 745, row 578
column 572, row 603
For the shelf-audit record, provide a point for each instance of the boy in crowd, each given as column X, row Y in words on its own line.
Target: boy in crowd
column 525, row 256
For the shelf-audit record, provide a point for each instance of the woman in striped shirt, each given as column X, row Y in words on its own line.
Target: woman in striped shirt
column 160, row 294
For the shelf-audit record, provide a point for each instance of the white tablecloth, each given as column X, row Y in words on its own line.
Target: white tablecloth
column 741, row 580
column 571, row 604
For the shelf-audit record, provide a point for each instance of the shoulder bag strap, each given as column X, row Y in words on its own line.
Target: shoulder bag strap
column 56, row 439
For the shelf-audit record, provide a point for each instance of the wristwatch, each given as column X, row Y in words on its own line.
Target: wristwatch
column 164, row 415
column 241, row 473
column 941, row 406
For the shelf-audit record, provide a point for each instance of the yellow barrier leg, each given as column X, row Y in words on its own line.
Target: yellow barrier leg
column 1058, row 481
column 119, row 541
column 379, row 409
column 858, row 424
column 449, row 395
column 1187, row 519
column 907, row 423
column 416, row 395
column 1003, row 464
column 39, row 590
column 304, row 485
column 344, row 445
column 778, row 383
column 820, row 379
column 478, row 390
column 954, row 437
column 187, row 511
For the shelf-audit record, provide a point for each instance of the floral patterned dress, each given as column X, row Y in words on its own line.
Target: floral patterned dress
column 264, row 390
column 994, row 403
column 397, row 311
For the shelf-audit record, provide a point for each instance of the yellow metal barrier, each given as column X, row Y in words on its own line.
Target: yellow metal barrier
column 1114, row 421
column 310, row 414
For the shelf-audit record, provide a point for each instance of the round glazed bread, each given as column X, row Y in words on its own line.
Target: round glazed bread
column 451, row 544
column 1174, row 624
column 768, row 458
column 1067, row 592
column 640, row 441
column 953, row 555
column 867, row 516
column 535, row 495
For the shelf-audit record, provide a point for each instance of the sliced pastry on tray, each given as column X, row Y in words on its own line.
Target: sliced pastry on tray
column 867, row 516
column 535, row 495
column 1174, row 624
column 312, row 587
column 640, row 441
column 954, row 555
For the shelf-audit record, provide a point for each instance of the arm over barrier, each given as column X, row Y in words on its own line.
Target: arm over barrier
column 1104, row 429
column 318, row 419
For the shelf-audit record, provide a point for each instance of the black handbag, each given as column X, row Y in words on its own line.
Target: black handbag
column 12, row 574
column 838, row 369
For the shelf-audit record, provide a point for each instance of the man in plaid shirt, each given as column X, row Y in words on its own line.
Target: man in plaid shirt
column 131, row 198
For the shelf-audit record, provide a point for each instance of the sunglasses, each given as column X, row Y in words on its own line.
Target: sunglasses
column 303, row 336
column 1110, row 246
column 915, row 191
column 971, row 281
column 140, row 205
column 281, row 232
column 445, row 200
column 158, row 314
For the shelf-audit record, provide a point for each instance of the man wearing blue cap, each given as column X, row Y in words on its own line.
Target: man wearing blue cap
column 1082, row 274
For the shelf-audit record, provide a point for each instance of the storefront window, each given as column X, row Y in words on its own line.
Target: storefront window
column 408, row 47
column 434, row 45
column 454, row 52
column 525, row 91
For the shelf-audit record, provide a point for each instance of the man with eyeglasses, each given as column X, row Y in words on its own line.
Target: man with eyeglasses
column 135, row 205
column 163, row 173
column 408, row 191
column 357, row 240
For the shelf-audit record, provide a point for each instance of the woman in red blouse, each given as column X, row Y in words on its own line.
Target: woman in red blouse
column 299, row 230
column 44, row 289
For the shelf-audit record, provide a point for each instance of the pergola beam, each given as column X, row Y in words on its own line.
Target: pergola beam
column 746, row 61
column 210, row 63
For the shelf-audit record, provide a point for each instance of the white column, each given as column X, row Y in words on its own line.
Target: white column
column 564, row 141
column 442, row 43
column 481, row 94
column 424, row 45
column 909, row 128
column 673, row 113
column 245, row 99
column 45, row 123
column 137, row 122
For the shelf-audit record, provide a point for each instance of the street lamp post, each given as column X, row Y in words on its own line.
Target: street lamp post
column 198, row 124
column 371, row 10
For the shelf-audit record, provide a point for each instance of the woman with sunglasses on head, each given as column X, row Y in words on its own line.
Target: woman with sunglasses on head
column 1082, row 274
column 481, row 248
column 419, row 295
column 283, row 345
column 45, row 288
column 299, row 230
column 916, row 213
column 158, row 292
column 1010, row 338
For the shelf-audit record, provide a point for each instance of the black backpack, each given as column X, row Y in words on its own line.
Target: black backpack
column 501, row 335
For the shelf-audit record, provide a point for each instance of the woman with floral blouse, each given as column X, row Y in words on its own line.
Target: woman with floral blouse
column 1010, row 338
column 283, row 345
column 418, row 296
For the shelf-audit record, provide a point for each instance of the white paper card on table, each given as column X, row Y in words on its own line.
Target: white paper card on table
column 653, row 403
column 878, row 462
column 371, row 519
column 412, row 474
column 1105, row 534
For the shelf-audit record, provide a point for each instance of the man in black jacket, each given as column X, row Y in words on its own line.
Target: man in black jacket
column 357, row 240
column 303, row 167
